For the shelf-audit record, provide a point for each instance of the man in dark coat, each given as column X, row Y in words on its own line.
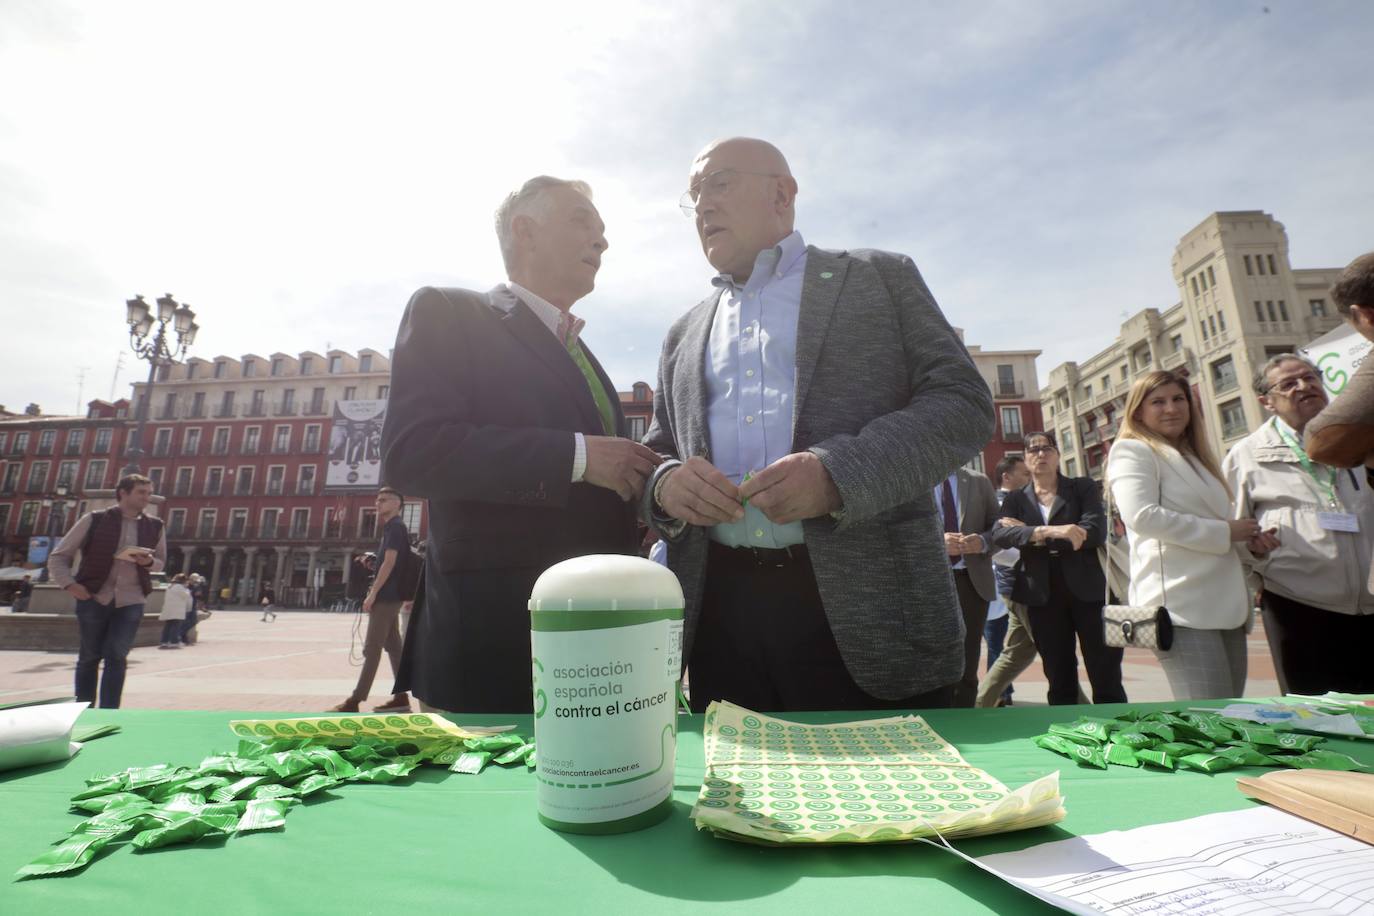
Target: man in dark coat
column 501, row 417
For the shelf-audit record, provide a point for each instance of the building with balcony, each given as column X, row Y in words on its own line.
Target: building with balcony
column 1011, row 376
column 52, row 467
column 238, row 446
column 1240, row 303
column 238, row 449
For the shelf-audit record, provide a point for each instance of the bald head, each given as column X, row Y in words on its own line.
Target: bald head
column 749, row 152
column 745, row 197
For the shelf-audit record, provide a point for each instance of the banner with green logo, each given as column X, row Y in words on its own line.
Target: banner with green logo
column 1337, row 354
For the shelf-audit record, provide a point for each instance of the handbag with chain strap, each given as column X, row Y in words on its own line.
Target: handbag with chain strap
column 1132, row 626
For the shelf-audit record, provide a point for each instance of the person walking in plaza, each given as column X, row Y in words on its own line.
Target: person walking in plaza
column 383, row 606
column 1057, row 523
column 176, row 605
column 269, row 604
column 196, row 584
column 1313, row 555
column 1173, row 500
column 806, row 411
column 501, row 416
column 968, row 511
column 23, row 595
column 119, row 547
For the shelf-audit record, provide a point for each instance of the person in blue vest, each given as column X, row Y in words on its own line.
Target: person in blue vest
column 501, row 417
column 119, row 547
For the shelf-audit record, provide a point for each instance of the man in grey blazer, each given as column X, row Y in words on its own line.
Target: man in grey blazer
column 968, row 508
column 806, row 409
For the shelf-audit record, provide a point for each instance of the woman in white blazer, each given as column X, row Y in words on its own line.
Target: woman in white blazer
column 1176, row 507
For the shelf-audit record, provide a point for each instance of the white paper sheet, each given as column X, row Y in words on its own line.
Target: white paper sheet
column 1257, row 862
column 30, row 735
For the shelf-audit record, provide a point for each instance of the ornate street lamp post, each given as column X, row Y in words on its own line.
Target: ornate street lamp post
column 158, row 349
column 57, row 512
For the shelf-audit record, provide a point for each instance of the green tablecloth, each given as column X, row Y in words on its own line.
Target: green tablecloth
column 472, row 844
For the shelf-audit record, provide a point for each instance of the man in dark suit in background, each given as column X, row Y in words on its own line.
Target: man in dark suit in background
column 968, row 510
column 506, row 423
column 826, row 389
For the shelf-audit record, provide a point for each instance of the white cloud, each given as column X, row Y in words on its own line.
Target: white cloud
column 295, row 170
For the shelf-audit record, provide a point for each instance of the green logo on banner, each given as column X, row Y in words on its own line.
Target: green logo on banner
column 1335, row 378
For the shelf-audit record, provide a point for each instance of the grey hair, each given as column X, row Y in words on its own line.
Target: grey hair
column 1262, row 385
column 531, row 200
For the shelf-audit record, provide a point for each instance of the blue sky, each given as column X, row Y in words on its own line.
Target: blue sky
column 294, row 171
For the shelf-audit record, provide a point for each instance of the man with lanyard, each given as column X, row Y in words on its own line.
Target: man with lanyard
column 1312, row 559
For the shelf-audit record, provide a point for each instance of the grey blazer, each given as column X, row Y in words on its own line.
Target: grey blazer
column 889, row 400
column 978, row 514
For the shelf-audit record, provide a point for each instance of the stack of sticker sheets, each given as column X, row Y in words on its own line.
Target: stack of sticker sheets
column 894, row 779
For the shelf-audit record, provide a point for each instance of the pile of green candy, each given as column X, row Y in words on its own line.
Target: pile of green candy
column 249, row 790
column 1191, row 740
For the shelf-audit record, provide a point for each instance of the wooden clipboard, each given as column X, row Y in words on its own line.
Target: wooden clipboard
column 1342, row 801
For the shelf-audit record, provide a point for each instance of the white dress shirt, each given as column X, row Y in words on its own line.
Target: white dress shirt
column 551, row 316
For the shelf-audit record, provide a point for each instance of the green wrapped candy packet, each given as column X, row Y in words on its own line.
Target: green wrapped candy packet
column 1201, row 741
column 247, row 791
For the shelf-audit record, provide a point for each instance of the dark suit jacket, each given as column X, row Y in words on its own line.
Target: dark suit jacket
column 1077, row 502
column 480, row 422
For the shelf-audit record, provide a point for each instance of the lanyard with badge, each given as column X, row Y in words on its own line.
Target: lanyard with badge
column 1332, row 519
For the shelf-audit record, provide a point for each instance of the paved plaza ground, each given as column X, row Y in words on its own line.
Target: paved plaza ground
column 306, row 661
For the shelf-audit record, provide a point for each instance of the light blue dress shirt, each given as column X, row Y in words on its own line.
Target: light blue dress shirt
column 751, row 378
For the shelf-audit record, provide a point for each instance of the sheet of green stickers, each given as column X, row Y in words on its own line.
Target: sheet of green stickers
column 880, row 780
column 399, row 727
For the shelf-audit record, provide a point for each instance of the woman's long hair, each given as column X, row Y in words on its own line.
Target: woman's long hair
column 1194, row 443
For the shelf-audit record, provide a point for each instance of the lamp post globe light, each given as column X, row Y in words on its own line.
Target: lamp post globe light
column 158, row 348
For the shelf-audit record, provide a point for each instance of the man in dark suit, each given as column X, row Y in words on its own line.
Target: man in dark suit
column 503, row 419
column 968, row 510
column 806, row 410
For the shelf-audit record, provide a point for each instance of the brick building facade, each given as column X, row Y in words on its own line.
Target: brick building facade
column 1015, row 387
column 51, row 470
column 244, row 452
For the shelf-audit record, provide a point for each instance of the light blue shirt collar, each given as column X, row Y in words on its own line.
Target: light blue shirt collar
column 771, row 263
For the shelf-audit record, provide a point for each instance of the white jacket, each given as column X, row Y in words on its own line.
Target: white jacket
column 176, row 602
column 1326, row 569
column 1182, row 556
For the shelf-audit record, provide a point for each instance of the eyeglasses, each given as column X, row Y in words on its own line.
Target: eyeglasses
column 1290, row 385
column 1040, row 449
column 717, row 184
